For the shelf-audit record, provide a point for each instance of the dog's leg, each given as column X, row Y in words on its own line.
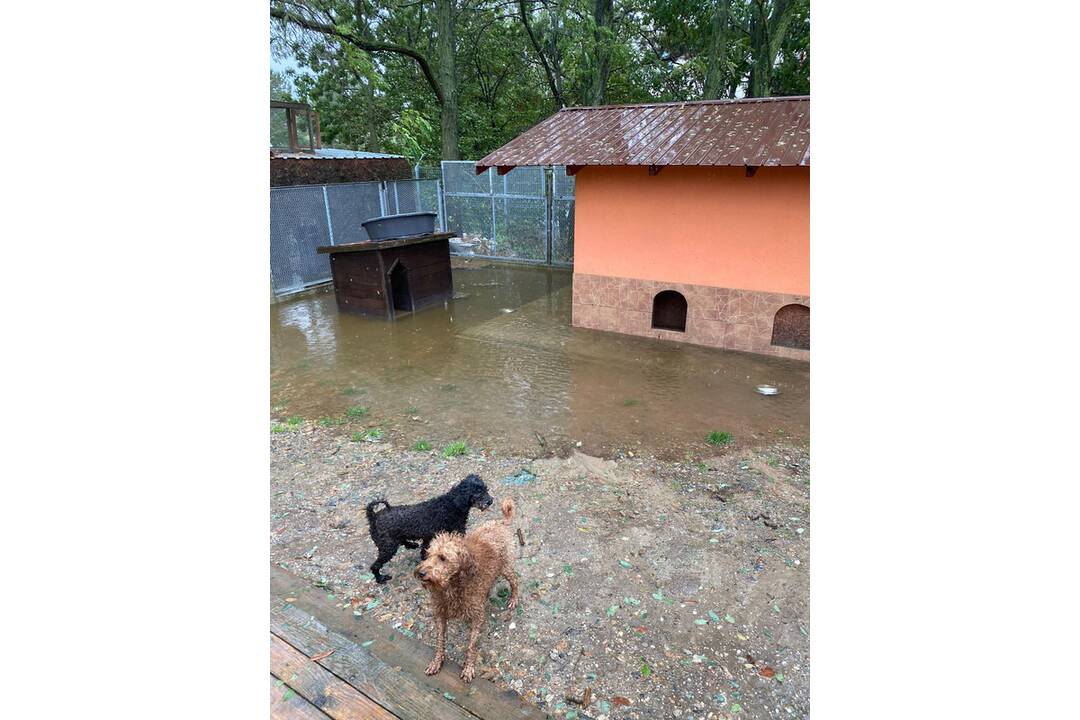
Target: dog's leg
column 440, row 645
column 423, row 548
column 386, row 554
column 468, row 671
column 409, row 544
column 511, row 577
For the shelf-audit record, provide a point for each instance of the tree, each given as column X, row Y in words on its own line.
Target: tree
column 355, row 23
column 769, row 23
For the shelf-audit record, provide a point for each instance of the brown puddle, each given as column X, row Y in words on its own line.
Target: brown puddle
column 501, row 380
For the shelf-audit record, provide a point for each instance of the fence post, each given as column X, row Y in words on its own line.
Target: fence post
column 442, row 205
column 491, row 192
column 326, row 206
column 549, row 192
column 382, row 197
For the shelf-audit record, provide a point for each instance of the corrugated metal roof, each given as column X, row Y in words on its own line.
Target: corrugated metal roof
column 331, row 154
column 754, row 132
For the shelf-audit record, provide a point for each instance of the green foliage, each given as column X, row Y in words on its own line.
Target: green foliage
column 329, row 421
column 656, row 50
column 718, row 438
column 294, row 420
column 357, row 411
column 421, row 446
column 455, row 448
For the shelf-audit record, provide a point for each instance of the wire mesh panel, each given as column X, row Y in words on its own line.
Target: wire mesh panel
column 562, row 216
column 350, row 205
column 407, row 196
column 297, row 226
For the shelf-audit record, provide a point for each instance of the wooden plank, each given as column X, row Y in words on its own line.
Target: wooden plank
column 370, row 245
column 399, row 692
column 320, row 687
column 295, row 708
column 481, row 697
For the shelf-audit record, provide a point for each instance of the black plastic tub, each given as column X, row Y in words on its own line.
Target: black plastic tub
column 396, row 226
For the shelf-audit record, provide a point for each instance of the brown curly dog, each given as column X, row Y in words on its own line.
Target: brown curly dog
column 459, row 572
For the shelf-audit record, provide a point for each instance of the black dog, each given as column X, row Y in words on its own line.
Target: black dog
column 407, row 524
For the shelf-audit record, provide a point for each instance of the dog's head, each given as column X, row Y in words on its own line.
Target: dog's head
column 472, row 493
column 446, row 557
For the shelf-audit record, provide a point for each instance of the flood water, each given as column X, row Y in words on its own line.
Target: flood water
column 501, row 368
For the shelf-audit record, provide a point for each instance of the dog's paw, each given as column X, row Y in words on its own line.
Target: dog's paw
column 383, row 579
column 468, row 673
column 433, row 667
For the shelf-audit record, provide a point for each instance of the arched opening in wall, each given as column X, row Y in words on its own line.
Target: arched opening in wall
column 791, row 327
column 399, row 289
column 669, row 311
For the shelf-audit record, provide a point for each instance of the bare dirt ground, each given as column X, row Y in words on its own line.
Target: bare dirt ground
column 670, row 589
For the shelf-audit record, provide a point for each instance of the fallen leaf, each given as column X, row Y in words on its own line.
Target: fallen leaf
column 287, row 694
column 620, row 701
column 701, row 621
column 448, row 696
column 326, row 653
column 767, row 671
column 624, row 563
column 729, row 619
column 290, row 599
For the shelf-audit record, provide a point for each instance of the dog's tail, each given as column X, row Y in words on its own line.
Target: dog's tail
column 370, row 511
column 508, row 510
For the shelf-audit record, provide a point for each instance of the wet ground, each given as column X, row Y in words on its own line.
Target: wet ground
column 501, row 368
column 668, row 589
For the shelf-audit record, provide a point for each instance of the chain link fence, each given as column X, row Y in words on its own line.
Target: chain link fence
column 526, row 215
column 304, row 217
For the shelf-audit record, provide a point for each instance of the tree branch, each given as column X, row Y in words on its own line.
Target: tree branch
column 552, row 85
column 365, row 45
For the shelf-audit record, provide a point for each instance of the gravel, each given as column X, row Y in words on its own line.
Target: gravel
column 669, row 589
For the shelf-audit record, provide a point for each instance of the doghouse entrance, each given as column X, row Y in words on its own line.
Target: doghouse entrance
column 669, row 311
column 399, row 289
column 791, row 327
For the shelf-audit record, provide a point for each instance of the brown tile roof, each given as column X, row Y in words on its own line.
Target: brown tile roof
column 756, row 132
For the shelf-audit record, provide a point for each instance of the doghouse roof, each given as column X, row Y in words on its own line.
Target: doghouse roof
column 752, row 132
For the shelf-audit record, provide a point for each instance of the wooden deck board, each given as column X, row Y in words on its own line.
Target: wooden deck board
column 320, row 687
column 406, row 657
column 295, row 708
column 395, row 690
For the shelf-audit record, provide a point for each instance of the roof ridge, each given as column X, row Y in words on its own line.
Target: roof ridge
column 673, row 103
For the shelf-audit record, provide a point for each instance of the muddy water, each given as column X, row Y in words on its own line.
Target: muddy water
column 501, row 368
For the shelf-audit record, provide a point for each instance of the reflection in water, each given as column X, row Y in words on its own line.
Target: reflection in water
column 500, row 366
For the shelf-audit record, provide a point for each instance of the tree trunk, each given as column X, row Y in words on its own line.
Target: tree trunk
column 717, row 66
column 761, row 64
column 601, row 51
column 444, row 10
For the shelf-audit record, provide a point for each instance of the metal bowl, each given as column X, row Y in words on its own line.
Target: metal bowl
column 767, row 390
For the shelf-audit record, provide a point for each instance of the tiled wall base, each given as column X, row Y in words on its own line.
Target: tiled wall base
column 717, row 317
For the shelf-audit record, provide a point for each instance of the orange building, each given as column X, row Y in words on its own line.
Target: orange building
column 691, row 221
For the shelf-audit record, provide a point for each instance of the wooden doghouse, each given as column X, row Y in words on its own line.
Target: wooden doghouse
column 385, row 278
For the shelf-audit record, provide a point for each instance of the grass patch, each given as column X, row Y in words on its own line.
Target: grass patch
column 356, row 411
column 421, row 446
column 411, row 410
column 369, row 434
column 630, row 402
column 701, row 466
column 353, row 391
column 718, row 438
column 280, row 428
column 455, row 448
column 294, row 421
column 329, row 421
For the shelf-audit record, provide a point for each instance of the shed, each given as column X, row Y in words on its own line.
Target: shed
column 691, row 221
